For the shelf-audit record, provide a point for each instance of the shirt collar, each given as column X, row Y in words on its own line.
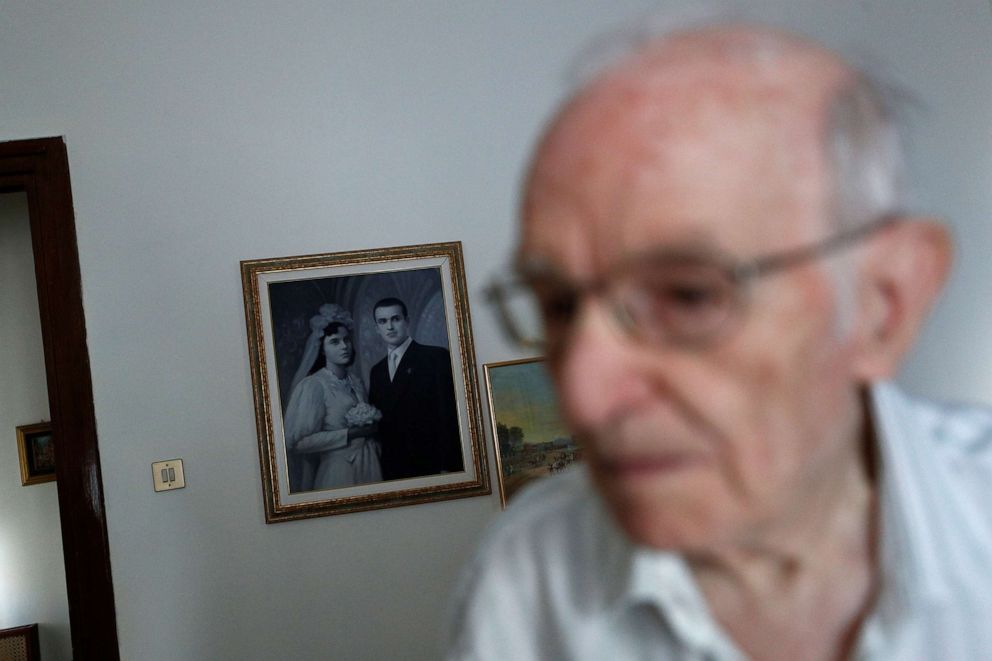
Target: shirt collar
column 401, row 349
column 660, row 579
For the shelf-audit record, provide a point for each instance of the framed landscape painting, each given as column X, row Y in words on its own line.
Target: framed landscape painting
column 531, row 440
column 363, row 374
column 36, row 452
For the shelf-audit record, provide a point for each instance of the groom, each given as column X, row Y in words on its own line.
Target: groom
column 414, row 389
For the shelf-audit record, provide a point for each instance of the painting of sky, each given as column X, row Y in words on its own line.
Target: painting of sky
column 523, row 397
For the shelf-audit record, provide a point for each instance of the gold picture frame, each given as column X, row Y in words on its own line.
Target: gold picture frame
column 36, row 453
column 426, row 445
column 529, row 438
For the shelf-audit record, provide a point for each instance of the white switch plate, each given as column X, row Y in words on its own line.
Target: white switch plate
column 168, row 475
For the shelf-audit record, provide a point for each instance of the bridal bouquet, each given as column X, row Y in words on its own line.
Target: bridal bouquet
column 362, row 414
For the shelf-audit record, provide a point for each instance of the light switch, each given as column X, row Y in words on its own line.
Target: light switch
column 167, row 475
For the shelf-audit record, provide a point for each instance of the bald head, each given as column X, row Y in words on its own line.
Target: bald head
column 789, row 115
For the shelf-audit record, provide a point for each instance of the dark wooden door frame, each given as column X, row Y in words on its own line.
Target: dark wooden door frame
column 40, row 168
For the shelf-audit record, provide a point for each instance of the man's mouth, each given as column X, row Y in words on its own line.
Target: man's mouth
column 647, row 461
column 634, row 467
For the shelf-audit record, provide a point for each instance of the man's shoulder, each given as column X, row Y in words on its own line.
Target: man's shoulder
column 433, row 359
column 428, row 350
column 555, row 515
column 547, row 564
column 949, row 444
column 950, row 431
column 939, row 455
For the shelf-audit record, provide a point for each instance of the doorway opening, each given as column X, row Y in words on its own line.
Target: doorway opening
column 40, row 169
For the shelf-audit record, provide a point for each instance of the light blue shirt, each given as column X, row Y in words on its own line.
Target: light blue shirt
column 555, row 578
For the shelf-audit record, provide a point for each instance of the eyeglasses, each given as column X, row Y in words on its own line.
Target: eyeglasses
column 680, row 298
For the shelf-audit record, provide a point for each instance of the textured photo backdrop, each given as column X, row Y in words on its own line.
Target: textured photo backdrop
column 294, row 303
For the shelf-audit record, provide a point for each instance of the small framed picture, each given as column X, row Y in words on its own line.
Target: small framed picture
column 36, row 451
column 531, row 440
column 364, row 383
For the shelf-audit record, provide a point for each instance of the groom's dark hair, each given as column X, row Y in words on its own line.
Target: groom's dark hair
column 388, row 303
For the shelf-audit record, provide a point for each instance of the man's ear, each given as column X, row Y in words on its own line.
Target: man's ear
column 902, row 273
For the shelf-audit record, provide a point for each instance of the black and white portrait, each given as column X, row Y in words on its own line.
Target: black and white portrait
column 366, row 381
column 333, row 355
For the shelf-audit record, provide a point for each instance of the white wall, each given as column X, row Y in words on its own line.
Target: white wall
column 32, row 573
column 203, row 133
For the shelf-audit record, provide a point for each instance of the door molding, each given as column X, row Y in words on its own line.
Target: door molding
column 40, row 168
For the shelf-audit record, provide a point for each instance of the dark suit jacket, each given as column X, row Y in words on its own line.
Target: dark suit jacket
column 419, row 428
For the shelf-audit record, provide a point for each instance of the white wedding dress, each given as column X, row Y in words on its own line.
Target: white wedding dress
column 315, row 426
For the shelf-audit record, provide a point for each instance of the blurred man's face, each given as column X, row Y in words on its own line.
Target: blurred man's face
column 392, row 325
column 695, row 447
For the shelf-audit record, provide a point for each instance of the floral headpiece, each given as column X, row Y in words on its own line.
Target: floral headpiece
column 329, row 313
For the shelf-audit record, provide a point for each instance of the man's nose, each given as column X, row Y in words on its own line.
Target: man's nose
column 597, row 370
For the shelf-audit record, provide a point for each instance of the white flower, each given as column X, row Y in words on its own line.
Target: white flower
column 362, row 414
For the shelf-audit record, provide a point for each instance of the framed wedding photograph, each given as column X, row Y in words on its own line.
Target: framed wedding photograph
column 36, row 452
column 363, row 375
column 530, row 439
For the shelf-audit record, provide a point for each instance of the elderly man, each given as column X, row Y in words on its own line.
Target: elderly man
column 712, row 235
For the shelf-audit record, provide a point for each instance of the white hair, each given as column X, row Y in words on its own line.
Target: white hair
column 864, row 149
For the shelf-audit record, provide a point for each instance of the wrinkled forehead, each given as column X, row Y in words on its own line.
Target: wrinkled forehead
column 712, row 137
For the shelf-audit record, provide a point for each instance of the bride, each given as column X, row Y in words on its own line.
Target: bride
column 328, row 416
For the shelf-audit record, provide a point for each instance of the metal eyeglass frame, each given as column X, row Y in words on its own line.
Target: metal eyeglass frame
column 738, row 273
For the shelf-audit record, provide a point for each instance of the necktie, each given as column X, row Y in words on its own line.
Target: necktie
column 394, row 359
